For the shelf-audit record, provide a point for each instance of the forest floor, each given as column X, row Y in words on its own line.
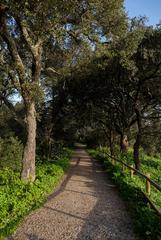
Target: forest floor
column 86, row 206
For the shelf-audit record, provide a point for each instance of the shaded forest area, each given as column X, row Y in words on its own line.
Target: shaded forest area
column 79, row 71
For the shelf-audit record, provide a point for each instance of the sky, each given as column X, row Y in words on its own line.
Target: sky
column 148, row 8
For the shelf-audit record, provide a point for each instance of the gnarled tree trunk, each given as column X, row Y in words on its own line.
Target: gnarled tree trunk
column 28, row 165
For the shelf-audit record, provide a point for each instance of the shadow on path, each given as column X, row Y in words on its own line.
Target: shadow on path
column 85, row 207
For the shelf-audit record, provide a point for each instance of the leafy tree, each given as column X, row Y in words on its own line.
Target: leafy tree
column 25, row 29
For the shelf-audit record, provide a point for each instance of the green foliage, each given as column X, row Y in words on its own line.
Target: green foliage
column 34, row 88
column 52, row 151
column 64, row 162
column 147, row 223
column 18, row 198
column 10, row 153
column 150, row 165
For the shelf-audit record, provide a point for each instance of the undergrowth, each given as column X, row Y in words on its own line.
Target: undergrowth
column 147, row 223
column 18, row 198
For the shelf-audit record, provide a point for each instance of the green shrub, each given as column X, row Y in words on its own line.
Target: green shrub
column 49, row 151
column 10, row 153
column 18, row 198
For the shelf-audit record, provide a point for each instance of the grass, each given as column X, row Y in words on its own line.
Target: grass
column 147, row 223
column 151, row 165
column 18, row 198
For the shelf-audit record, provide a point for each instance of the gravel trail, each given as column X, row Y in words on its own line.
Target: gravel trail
column 85, row 207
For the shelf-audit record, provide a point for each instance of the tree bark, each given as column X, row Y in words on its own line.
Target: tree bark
column 111, row 142
column 111, row 148
column 138, row 140
column 136, row 151
column 124, row 143
column 28, row 165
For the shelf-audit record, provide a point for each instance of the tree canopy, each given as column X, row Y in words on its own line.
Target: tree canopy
column 84, row 71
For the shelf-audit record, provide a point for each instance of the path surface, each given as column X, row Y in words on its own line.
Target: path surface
column 86, row 207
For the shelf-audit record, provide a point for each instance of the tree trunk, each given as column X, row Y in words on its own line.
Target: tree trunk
column 138, row 140
column 136, row 151
column 124, row 143
column 111, row 148
column 111, row 142
column 28, row 164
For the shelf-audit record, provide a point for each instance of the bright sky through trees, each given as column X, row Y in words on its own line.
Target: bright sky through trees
column 149, row 8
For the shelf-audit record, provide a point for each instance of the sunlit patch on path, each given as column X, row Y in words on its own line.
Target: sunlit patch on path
column 86, row 206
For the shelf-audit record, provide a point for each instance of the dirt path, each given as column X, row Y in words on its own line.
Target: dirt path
column 87, row 206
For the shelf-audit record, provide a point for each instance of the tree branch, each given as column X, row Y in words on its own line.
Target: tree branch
column 12, row 47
